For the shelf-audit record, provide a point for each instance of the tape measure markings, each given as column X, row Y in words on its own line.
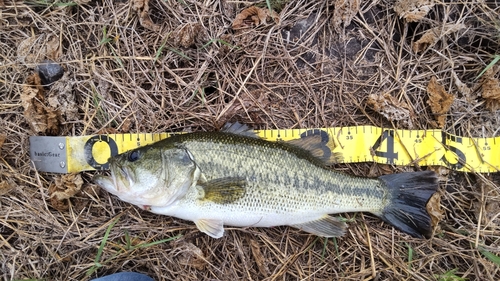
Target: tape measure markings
column 356, row 144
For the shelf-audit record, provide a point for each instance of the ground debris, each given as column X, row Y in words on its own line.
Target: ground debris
column 62, row 97
column 260, row 260
column 37, row 48
column 142, row 8
column 462, row 87
column 439, row 100
column 490, row 90
column 3, row 137
column 344, row 11
column 254, row 16
column 5, row 187
column 433, row 35
column 64, row 188
column 248, row 104
column 488, row 203
column 189, row 34
column 190, row 255
column 42, row 119
column 49, row 72
column 412, row 10
column 434, row 209
column 391, row 108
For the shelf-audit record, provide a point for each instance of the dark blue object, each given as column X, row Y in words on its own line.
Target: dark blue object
column 125, row 276
column 49, row 72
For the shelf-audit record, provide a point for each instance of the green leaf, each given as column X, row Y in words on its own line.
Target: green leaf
column 490, row 65
column 489, row 255
column 157, row 242
column 101, row 248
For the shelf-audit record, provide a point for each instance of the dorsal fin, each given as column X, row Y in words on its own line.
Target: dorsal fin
column 239, row 129
column 318, row 148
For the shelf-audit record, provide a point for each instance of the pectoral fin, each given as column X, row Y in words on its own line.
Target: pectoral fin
column 214, row 228
column 224, row 190
column 326, row 226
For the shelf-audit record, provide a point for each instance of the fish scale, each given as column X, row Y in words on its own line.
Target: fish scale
column 267, row 170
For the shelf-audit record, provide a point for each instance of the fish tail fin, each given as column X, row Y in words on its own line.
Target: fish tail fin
column 409, row 194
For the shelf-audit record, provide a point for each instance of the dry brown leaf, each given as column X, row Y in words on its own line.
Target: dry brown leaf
column 490, row 90
column 142, row 8
column 126, row 125
column 432, row 35
column 441, row 171
column 62, row 97
column 5, row 187
column 259, row 258
column 461, row 86
column 187, row 35
column 434, row 209
column 37, row 48
column 344, row 11
column 413, row 10
column 248, row 103
column 42, row 119
column 439, row 100
column 254, row 16
column 3, row 137
column 191, row 255
column 391, row 108
column 490, row 207
column 64, row 188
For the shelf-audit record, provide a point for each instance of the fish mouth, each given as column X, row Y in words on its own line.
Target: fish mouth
column 105, row 182
column 123, row 178
column 119, row 180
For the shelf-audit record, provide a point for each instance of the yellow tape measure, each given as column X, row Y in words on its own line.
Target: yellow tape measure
column 356, row 144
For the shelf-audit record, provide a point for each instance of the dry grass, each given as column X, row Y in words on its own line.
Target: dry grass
column 127, row 78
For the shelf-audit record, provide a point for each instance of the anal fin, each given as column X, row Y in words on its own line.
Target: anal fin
column 325, row 226
column 213, row 228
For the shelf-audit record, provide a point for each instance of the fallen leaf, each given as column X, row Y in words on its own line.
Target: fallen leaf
column 490, row 90
column 37, row 48
column 64, row 188
column 3, row 137
column 434, row 209
column 441, row 171
column 253, row 16
column 487, row 205
column 413, row 10
column 188, row 34
column 439, row 100
column 190, row 255
column 247, row 104
column 126, row 125
column 433, row 35
column 62, row 97
column 259, row 258
column 142, row 8
column 344, row 11
column 5, row 187
column 41, row 118
column 461, row 86
column 391, row 108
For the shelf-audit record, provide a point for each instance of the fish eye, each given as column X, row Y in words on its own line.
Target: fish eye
column 133, row 156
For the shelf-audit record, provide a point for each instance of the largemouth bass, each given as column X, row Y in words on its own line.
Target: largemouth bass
column 234, row 178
